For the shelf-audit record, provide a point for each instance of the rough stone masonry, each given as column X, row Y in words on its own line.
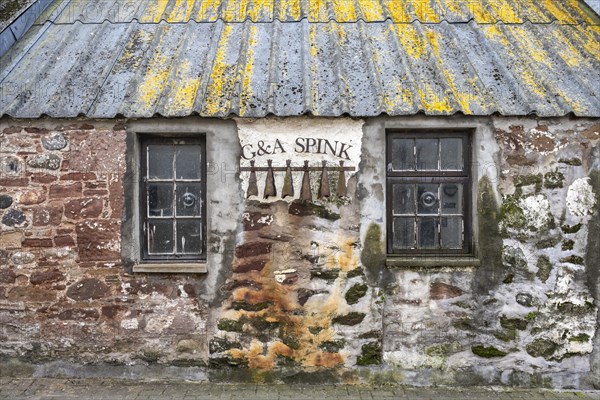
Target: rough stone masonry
column 295, row 290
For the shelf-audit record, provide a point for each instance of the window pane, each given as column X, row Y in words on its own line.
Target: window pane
column 189, row 236
column 189, row 200
column 188, row 162
column 160, row 199
column 427, row 154
column 452, row 198
column 404, row 199
column 404, row 233
column 451, row 154
column 451, row 233
column 403, row 157
column 160, row 161
column 160, row 237
column 427, row 232
column 427, row 199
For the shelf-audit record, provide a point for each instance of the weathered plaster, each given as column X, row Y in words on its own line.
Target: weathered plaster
column 295, row 290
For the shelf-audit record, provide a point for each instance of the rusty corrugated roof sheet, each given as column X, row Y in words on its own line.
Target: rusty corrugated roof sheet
column 323, row 57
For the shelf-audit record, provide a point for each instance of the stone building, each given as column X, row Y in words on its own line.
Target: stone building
column 300, row 190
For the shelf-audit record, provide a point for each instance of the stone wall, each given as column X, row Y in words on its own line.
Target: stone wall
column 299, row 291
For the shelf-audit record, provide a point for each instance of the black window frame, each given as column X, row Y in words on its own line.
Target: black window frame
column 431, row 176
column 145, row 257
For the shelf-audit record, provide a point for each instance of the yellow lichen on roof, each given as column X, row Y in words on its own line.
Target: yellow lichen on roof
column 209, row 10
column 432, row 102
column 494, row 33
column 182, row 11
column 344, row 10
column 236, row 11
column 557, row 11
column 505, row 11
column 483, row 14
column 453, row 7
column 185, row 89
column 246, row 73
column 312, row 41
column 568, row 51
column 590, row 39
column 314, row 71
column 153, row 82
column 318, row 11
column 261, row 9
column 532, row 11
column 154, row 12
column 411, row 40
column 424, row 12
column 582, row 15
column 221, row 82
column 371, row 10
column 464, row 99
column 497, row 33
column 397, row 11
column 289, row 8
column 529, row 44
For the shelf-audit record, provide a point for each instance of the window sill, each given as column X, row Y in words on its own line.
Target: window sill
column 431, row 261
column 175, row 268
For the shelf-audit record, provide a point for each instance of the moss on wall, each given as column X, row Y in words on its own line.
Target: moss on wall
column 491, row 272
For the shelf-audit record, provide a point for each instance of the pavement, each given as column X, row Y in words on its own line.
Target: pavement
column 113, row 389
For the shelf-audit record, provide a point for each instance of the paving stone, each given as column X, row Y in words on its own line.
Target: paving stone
column 110, row 389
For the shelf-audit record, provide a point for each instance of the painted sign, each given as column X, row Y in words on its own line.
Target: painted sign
column 298, row 158
column 301, row 145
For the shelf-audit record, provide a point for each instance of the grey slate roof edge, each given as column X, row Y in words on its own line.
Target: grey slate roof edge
column 332, row 20
column 21, row 24
column 63, row 4
column 196, row 114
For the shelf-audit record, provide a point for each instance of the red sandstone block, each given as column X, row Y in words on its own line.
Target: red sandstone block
column 64, row 240
column 256, row 265
column 95, row 192
column 13, row 182
column 252, row 249
column 37, row 242
column 47, row 215
column 43, row 178
column 12, row 129
column 84, row 208
column 62, row 191
column 78, row 176
column 47, row 276
column 36, row 130
column 95, row 185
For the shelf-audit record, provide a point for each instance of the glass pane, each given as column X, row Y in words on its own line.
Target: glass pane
column 160, row 199
column 160, row 237
column 160, row 161
column 427, row 198
column 403, row 157
column 404, row 199
column 189, row 236
column 188, row 162
column 427, row 154
column 428, row 233
column 404, row 233
column 452, row 198
column 451, row 154
column 451, row 233
column 189, row 199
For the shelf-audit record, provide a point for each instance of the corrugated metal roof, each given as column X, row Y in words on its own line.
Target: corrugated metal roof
column 397, row 11
column 292, row 66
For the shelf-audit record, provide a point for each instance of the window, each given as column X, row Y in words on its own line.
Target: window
column 428, row 185
column 173, row 200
